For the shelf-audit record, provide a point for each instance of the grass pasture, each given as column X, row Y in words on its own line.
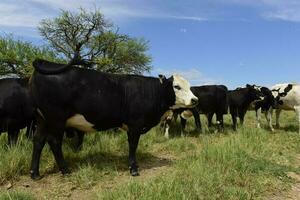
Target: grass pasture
column 248, row 164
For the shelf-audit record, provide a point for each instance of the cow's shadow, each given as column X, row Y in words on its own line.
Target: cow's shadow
column 108, row 162
column 288, row 128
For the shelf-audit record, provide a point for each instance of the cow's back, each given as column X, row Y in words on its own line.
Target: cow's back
column 106, row 100
column 212, row 98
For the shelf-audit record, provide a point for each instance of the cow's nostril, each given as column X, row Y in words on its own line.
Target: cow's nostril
column 194, row 101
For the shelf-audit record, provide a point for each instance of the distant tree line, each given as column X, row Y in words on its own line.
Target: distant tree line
column 83, row 38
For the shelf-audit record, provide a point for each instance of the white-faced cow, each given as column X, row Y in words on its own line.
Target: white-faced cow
column 16, row 108
column 69, row 96
column 288, row 96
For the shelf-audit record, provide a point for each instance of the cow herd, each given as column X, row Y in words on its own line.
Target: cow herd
column 217, row 99
column 62, row 98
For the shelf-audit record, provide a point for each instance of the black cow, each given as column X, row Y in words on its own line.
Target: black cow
column 16, row 108
column 68, row 96
column 239, row 101
column 213, row 100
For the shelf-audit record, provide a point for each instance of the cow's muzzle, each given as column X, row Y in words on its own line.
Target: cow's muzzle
column 194, row 101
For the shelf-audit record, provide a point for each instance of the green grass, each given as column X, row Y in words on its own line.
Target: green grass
column 248, row 164
column 15, row 196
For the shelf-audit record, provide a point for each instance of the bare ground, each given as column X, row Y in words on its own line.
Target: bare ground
column 294, row 192
column 56, row 186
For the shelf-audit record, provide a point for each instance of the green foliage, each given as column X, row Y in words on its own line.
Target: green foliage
column 71, row 33
column 88, row 39
column 122, row 55
column 16, row 56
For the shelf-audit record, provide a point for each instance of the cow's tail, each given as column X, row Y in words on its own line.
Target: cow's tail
column 47, row 67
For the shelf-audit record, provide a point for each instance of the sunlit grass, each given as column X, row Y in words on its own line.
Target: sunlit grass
column 246, row 164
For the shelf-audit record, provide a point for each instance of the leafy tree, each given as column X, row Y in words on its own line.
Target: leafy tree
column 16, row 56
column 88, row 39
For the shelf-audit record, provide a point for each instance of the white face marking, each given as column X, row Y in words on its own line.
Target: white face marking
column 258, row 88
column 79, row 122
column 183, row 93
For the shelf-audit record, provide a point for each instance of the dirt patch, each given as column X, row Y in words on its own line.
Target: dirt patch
column 56, row 186
column 294, row 192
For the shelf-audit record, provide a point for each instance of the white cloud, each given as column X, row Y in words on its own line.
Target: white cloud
column 286, row 10
column 193, row 75
column 183, row 30
column 284, row 14
column 28, row 13
column 67, row 4
column 192, row 18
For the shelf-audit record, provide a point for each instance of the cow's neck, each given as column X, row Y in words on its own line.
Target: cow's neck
column 168, row 98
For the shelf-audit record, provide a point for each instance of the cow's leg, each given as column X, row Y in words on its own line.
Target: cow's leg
column 297, row 109
column 175, row 116
column 167, row 124
column 133, row 140
column 278, row 111
column 183, row 124
column 242, row 116
column 258, row 117
column 80, row 136
column 220, row 122
column 197, row 119
column 166, row 128
column 55, row 139
column 268, row 115
column 209, row 119
column 77, row 137
column 39, row 140
column 12, row 136
column 233, row 113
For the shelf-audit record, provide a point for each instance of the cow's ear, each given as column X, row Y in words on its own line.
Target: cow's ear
column 162, row 78
column 288, row 88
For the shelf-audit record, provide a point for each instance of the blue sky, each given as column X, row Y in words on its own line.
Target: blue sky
column 231, row 42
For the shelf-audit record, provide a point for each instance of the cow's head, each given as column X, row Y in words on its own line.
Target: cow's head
column 268, row 97
column 184, row 98
column 279, row 94
column 254, row 93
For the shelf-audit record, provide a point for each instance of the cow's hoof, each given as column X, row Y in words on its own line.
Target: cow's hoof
column 65, row 171
column 35, row 176
column 134, row 171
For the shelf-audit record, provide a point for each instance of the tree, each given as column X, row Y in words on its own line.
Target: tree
column 88, row 39
column 121, row 54
column 16, row 56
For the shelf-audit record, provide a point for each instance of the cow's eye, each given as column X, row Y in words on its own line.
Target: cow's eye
column 177, row 87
